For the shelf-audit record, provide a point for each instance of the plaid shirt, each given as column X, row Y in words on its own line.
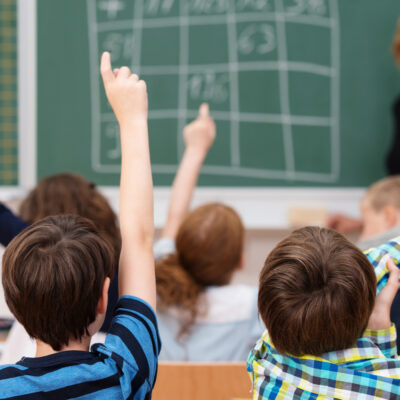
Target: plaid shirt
column 368, row 371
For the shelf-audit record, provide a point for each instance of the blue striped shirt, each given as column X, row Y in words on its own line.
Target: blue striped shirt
column 124, row 367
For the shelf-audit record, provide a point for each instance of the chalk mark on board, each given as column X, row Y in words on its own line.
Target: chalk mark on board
column 111, row 7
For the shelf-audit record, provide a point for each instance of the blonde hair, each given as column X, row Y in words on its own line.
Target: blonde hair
column 385, row 192
column 209, row 247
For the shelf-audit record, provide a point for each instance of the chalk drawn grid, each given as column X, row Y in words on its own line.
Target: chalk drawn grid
column 122, row 27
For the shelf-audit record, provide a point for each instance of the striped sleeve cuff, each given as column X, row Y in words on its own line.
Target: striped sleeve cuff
column 385, row 339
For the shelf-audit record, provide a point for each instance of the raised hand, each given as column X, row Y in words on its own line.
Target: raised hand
column 200, row 133
column 126, row 94
column 128, row 98
column 199, row 136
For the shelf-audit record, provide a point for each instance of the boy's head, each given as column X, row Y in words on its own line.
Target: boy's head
column 380, row 207
column 55, row 278
column 317, row 291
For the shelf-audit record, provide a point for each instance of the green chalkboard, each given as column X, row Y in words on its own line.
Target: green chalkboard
column 301, row 90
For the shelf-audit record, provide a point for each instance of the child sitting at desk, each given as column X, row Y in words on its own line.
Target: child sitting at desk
column 202, row 317
column 380, row 211
column 328, row 334
column 56, row 275
column 64, row 193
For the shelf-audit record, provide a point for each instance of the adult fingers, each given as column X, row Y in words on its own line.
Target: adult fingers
column 105, row 67
column 116, row 71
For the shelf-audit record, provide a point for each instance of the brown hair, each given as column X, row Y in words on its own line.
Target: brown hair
column 209, row 247
column 69, row 193
column 316, row 293
column 383, row 193
column 396, row 44
column 53, row 275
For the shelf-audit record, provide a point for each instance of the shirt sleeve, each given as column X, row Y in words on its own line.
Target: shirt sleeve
column 133, row 342
column 163, row 247
column 10, row 225
column 384, row 339
column 379, row 256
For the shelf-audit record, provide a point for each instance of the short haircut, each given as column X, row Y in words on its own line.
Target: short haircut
column 383, row 193
column 53, row 275
column 316, row 294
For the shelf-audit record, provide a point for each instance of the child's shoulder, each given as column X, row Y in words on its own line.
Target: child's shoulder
column 56, row 374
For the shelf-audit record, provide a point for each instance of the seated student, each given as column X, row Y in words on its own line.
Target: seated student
column 64, row 193
column 56, row 275
column 202, row 317
column 380, row 210
column 328, row 335
column 380, row 215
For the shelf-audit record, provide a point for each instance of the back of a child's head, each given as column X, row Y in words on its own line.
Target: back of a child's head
column 316, row 293
column 385, row 192
column 53, row 275
column 69, row 193
column 209, row 246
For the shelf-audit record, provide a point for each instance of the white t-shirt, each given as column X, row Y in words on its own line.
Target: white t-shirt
column 226, row 331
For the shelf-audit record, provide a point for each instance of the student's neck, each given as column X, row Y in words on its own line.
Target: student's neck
column 44, row 349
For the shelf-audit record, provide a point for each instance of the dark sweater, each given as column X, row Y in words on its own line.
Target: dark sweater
column 10, row 225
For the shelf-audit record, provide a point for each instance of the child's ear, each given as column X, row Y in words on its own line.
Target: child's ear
column 392, row 216
column 103, row 301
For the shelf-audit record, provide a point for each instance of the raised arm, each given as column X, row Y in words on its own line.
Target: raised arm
column 128, row 98
column 199, row 136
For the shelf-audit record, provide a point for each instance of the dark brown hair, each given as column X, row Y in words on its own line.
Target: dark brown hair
column 317, row 291
column 209, row 247
column 69, row 193
column 53, row 275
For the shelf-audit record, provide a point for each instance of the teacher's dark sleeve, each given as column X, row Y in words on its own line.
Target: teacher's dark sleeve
column 393, row 157
column 10, row 225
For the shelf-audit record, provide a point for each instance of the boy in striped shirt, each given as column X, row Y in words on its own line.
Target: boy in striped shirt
column 56, row 275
